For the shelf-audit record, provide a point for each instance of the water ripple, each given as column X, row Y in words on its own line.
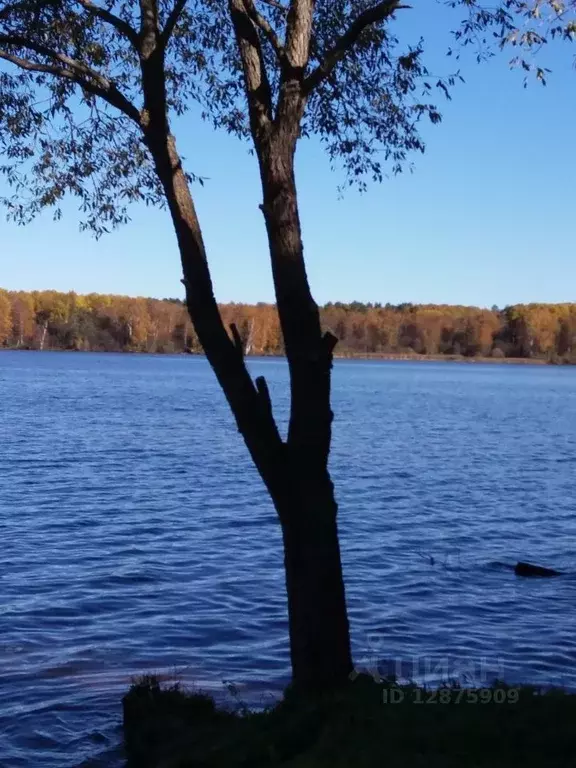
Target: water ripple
column 137, row 537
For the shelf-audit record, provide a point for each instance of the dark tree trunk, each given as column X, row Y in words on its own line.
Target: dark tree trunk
column 295, row 472
column 319, row 630
column 319, row 634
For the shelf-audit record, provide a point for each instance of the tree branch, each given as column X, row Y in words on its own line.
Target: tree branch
column 74, row 65
column 329, row 342
column 121, row 26
column 149, row 30
column 237, row 339
column 68, row 69
column 343, row 45
column 299, row 32
column 255, row 76
column 263, row 23
column 31, row 66
column 264, row 392
column 172, row 20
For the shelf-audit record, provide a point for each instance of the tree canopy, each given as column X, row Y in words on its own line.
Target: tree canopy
column 72, row 105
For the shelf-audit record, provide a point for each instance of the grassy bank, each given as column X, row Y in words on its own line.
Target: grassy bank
column 368, row 725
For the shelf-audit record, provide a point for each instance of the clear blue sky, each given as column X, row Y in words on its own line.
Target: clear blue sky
column 487, row 217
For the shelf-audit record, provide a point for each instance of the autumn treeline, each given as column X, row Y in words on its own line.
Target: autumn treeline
column 53, row 320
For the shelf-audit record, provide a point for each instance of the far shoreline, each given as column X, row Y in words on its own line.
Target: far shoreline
column 415, row 358
column 375, row 356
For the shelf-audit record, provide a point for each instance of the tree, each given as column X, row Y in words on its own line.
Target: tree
column 86, row 110
column 566, row 341
column 23, row 318
column 5, row 318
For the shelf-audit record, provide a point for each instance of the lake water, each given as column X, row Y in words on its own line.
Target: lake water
column 136, row 536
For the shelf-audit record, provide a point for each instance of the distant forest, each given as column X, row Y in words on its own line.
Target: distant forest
column 51, row 320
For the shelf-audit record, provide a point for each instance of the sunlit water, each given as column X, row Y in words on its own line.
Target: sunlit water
column 135, row 536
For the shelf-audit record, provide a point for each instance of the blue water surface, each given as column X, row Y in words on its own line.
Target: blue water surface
column 135, row 535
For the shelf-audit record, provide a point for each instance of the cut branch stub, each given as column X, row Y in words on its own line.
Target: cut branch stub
column 264, row 392
column 329, row 342
column 237, row 339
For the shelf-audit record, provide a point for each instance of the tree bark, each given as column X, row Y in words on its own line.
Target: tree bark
column 319, row 630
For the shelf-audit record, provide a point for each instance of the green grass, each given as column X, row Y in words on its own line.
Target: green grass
column 169, row 728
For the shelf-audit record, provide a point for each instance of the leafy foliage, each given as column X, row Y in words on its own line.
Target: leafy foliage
column 71, row 96
column 69, row 123
column 523, row 25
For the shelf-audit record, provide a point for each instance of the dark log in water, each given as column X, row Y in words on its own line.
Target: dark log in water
column 527, row 569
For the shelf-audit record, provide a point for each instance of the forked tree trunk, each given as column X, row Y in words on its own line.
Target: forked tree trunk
column 295, row 472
